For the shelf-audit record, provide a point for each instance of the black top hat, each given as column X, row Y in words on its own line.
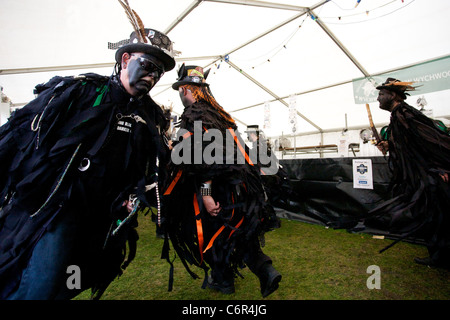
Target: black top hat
column 192, row 75
column 397, row 86
column 157, row 45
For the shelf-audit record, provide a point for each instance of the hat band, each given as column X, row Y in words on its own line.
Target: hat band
column 117, row 45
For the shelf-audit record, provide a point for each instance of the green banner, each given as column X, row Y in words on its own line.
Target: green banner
column 430, row 76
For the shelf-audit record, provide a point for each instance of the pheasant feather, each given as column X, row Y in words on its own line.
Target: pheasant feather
column 141, row 26
column 132, row 18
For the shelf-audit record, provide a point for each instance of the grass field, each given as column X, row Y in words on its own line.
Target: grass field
column 316, row 264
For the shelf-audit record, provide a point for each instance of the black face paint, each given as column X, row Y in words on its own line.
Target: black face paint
column 385, row 98
column 186, row 102
column 139, row 68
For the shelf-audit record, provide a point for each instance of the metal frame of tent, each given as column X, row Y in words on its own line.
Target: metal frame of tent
column 299, row 12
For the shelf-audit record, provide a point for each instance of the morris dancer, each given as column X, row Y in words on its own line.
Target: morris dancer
column 70, row 159
column 419, row 156
column 216, row 210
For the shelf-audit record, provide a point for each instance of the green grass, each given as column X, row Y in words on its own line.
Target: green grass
column 316, row 264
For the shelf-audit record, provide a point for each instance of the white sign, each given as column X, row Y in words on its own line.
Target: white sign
column 362, row 174
column 343, row 146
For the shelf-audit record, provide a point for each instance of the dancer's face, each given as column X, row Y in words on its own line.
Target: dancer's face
column 386, row 99
column 143, row 71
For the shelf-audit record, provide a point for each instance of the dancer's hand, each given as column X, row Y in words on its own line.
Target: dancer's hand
column 211, row 206
column 129, row 205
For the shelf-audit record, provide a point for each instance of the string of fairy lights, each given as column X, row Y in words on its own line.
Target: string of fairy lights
column 365, row 15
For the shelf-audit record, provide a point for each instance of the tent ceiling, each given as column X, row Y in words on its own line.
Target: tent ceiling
column 258, row 51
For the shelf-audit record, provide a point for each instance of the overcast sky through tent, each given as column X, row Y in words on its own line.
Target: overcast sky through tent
column 294, row 59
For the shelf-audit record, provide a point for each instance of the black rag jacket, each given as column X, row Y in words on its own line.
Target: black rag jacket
column 82, row 146
column 246, row 214
column 419, row 153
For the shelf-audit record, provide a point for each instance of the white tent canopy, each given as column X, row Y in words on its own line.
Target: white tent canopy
column 273, row 53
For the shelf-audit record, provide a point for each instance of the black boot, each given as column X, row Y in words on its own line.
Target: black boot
column 269, row 278
column 423, row 261
column 226, row 287
column 432, row 264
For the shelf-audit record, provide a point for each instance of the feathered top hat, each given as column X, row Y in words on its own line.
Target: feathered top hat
column 397, row 86
column 144, row 40
column 192, row 75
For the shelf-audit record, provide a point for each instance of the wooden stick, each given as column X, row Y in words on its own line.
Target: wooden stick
column 372, row 126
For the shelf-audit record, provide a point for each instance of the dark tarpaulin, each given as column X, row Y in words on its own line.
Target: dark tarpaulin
column 324, row 194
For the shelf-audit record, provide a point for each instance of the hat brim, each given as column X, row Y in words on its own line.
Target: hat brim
column 383, row 87
column 178, row 84
column 168, row 61
column 401, row 93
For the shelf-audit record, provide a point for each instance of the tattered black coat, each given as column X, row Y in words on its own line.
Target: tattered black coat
column 83, row 145
column 246, row 214
column 419, row 153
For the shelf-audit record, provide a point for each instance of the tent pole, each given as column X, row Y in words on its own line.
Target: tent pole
column 340, row 45
column 87, row 66
column 297, row 94
column 321, row 143
column 270, row 92
column 340, row 83
column 262, row 4
column 319, row 4
column 183, row 15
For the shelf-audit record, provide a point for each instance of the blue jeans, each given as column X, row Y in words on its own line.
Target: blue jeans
column 45, row 276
